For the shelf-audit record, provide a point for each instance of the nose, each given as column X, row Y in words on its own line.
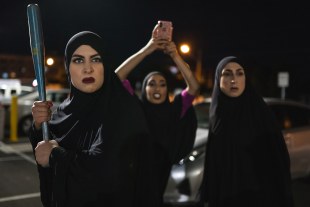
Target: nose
column 157, row 88
column 233, row 79
column 88, row 68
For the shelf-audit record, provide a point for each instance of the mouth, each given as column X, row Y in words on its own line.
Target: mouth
column 156, row 96
column 88, row 80
column 234, row 89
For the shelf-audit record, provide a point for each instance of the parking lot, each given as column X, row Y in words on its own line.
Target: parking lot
column 20, row 186
column 19, row 179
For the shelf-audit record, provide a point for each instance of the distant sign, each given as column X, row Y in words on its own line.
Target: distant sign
column 283, row 79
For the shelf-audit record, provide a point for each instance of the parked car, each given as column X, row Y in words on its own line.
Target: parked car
column 9, row 87
column 294, row 120
column 25, row 102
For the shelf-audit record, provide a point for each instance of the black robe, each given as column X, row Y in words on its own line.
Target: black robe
column 103, row 142
column 247, row 162
column 172, row 138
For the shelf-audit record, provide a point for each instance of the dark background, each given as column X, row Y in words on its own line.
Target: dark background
column 272, row 34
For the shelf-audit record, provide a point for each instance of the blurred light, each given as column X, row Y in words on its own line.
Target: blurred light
column 195, row 153
column 5, row 75
column 138, row 85
column 191, row 158
column 12, row 74
column 35, row 83
column 50, row 61
column 181, row 162
column 23, row 70
column 174, row 70
column 185, row 48
column 178, row 173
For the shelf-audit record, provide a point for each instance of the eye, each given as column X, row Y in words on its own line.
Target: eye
column 240, row 73
column 151, row 84
column 97, row 59
column 77, row 60
column 163, row 85
column 227, row 74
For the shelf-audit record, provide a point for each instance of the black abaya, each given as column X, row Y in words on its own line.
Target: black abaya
column 172, row 138
column 101, row 145
column 247, row 162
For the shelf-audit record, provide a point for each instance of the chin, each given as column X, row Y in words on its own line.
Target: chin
column 89, row 90
column 156, row 101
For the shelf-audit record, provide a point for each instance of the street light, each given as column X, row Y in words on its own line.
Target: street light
column 184, row 48
column 50, row 61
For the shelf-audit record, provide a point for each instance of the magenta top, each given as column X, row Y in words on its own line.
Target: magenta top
column 187, row 99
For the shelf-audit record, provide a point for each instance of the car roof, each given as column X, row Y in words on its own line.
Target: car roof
column 35, row 93
column 286, row 102
column 269, row 101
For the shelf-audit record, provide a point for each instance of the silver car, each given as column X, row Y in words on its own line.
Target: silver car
column 25, row 102
column 294, row 119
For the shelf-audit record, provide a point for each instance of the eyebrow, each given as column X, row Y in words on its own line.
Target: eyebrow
column 160, row 81
column 230, row 70
column 81, row 56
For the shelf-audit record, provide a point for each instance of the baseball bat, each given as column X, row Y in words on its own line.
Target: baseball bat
column 37, row 50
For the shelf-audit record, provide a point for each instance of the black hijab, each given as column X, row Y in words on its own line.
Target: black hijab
column 99, row 131
column 247, row 162
column 172, row 137
column 173, row 133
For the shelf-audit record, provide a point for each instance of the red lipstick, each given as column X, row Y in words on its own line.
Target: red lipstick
column 88, row 80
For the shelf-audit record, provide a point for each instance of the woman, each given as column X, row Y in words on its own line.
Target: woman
column 92, row 158
column 173, row 124
column 247, row 162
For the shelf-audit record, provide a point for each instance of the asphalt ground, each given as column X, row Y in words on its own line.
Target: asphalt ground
column 19, row 183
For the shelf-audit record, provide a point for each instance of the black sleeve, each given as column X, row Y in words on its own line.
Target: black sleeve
column 185, row 131
column 186, row 134
column 34, row 136
column 45, row 174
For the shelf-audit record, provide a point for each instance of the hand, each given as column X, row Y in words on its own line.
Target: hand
column 154, row 44
column 41, row 112
column 43, row 151
column 171, row 49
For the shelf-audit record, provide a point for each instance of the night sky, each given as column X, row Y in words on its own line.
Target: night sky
column 272, row 34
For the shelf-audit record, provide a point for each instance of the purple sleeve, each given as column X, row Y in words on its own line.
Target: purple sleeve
column 128, row 86
column 187, row 100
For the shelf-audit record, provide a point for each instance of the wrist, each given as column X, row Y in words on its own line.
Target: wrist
column 37, row 126
column 175, row 56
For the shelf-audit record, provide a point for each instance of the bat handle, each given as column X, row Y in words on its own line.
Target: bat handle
column 45, row 131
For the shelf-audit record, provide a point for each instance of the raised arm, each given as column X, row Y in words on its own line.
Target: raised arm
column 128, row 65
column 190, row 79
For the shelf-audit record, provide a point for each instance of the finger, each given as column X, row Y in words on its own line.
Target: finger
column 43, row 103
column 41, row 112
column 154, row 32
